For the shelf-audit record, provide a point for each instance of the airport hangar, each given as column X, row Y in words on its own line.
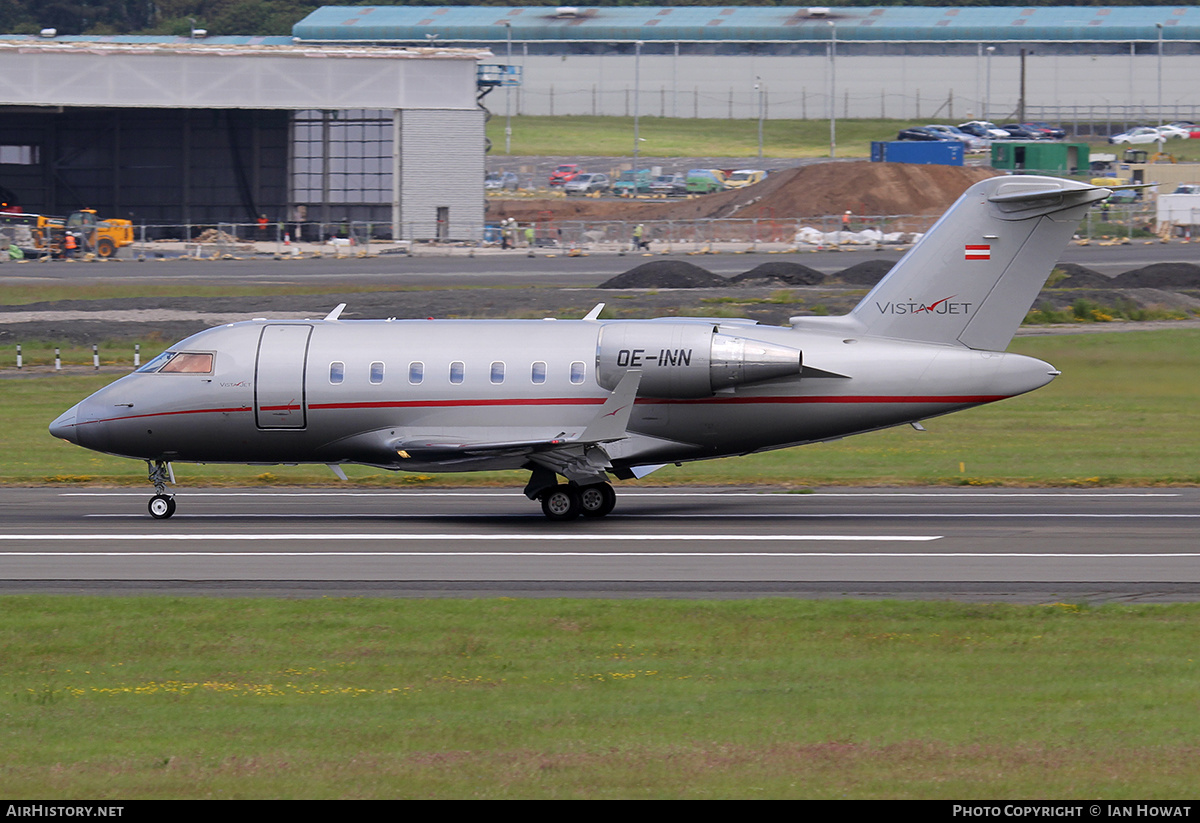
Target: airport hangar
column 924, row 64
column 172, row 132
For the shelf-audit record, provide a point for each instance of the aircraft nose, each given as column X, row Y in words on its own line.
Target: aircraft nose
column 64, row 426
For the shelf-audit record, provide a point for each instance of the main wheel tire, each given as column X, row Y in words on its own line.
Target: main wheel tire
column 161, row 506
column 561, row 503
column 597, row 500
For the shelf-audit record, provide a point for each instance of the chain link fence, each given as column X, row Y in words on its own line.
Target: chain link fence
column 546, row 235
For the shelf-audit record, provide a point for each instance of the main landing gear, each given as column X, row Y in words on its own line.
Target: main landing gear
column 568, row 501
column 162, row 505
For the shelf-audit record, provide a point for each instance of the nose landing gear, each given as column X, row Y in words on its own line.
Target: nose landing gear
column 162, row 505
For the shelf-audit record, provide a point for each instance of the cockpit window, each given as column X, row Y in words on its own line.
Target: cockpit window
column 157, row 363
column 172, row 362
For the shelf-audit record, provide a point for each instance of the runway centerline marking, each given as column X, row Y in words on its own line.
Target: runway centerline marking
column 412, row 538
column 642, row 494
column 624, row 556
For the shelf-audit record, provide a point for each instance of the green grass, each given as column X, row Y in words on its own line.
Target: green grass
column 678, row 137
column 112, row 698
column 21, row 294
column 1122, row 413
column 568, row 135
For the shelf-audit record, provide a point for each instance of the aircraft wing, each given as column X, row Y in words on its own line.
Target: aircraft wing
column 609, row 424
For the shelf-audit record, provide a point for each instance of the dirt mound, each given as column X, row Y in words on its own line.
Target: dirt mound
column 779, row 271
column 1159, row 276
column 665, row 274
column 866, row 273
column 1081, row 277
column 861, row 187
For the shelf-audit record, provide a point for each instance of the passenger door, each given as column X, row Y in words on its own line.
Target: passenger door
column 279, row 390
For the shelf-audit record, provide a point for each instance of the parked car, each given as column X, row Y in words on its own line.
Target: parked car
column 633, row 182
column 563, row 173
column 703, row 181
column 1018, row 132
column 971, row 143
column 501, row 181
column 745, row 177
column 586, row 183
column 920, row 133
column 982, row 128
column 1142, row 135
column 1175, row 132
column 1047, row 131
column 669, row 184
column 1125, row 196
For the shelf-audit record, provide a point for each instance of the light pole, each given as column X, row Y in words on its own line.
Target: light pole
column 987, row 101
column 507, row 87
column 832, row 88
column 758, row 87
column 1159, row 26
column 637, row 89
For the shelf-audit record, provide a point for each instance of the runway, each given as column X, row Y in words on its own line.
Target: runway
column 1013, row 545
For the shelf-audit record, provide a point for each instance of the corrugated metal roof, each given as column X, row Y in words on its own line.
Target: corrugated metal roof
column 219, row 46
column 750, row 24
column 150, row 39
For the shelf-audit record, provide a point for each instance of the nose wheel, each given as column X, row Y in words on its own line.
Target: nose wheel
column 161, row 506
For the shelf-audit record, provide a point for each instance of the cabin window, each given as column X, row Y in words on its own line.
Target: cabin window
column 188, row 363
column 416, row 372
column 538, row 373
column 337, row 372
column 498, row 372
column 377, row 372
column 578, row 372
column 457, row 369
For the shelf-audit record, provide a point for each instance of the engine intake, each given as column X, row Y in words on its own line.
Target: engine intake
column 687, row 360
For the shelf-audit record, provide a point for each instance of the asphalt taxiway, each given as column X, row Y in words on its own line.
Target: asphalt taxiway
column 1015, row 545
column 451, row 266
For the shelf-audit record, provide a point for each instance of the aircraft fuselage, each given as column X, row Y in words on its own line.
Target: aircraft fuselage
column 342, row 391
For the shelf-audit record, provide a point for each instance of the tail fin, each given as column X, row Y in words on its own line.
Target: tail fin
column 972, row 278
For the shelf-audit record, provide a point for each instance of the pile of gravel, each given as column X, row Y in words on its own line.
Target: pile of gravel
column 1081, row 277
column 665, row 274
column 866, row 273
column 781, row 272
column 1168, row 276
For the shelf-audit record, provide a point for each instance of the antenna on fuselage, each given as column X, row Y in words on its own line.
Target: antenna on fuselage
column 336, row 313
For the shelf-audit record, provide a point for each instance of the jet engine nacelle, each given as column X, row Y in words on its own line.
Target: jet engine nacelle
column 681, row 360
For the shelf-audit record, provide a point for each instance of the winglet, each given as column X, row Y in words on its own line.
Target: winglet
column 611, row 422
column 336, row 313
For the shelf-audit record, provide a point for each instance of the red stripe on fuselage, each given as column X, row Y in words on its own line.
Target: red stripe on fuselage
column 596, row 401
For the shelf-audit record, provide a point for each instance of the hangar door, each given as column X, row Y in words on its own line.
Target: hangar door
column 279, row 391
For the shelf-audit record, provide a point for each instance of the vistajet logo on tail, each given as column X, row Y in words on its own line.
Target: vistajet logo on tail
column 944, row 306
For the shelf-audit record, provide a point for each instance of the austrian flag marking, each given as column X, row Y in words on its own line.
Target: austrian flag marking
column 978, row 252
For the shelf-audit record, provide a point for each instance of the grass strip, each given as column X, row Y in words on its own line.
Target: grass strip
column 326, row 698
column 583, row 135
